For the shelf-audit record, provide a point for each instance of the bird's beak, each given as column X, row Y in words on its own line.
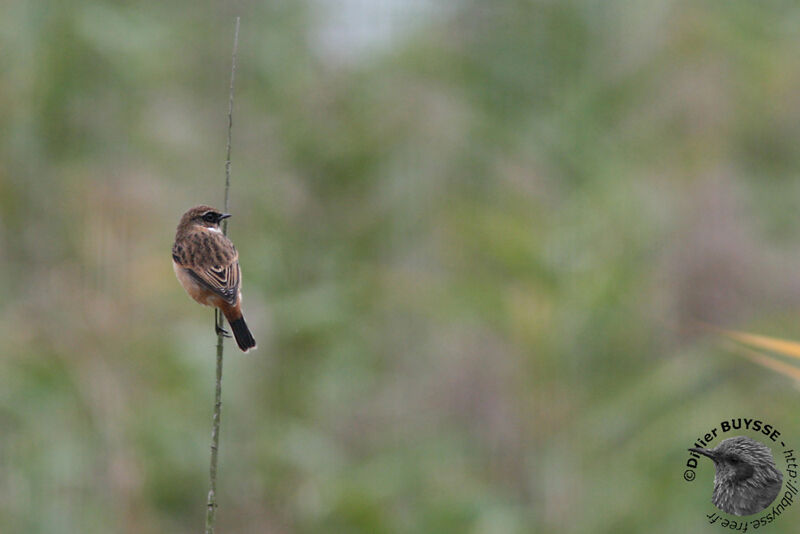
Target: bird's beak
column 224, row 216
column 704, row 452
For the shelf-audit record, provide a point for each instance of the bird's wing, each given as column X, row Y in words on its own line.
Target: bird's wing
column 212, row 261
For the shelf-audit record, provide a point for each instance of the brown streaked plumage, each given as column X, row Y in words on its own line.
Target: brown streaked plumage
column 207, row 266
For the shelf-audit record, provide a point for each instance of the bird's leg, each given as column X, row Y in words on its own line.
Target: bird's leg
column 218, row 325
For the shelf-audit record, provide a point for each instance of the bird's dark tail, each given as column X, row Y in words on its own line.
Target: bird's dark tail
column 242, row 334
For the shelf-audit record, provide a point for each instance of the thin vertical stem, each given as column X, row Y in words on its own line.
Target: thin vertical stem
column 211, row 512
column 230, row 125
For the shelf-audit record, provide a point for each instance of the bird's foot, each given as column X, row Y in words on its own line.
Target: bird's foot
column 221, row 331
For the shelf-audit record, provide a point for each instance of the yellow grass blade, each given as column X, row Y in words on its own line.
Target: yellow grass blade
column 781, row 346
column 769, row 362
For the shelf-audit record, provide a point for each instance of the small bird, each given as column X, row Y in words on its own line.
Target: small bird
column 746, row 479
column 207, row 266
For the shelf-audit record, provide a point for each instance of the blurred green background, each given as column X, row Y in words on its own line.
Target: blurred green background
column 475, row 239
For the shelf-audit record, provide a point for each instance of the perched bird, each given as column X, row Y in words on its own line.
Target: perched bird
column 207, row 266
column 746, row 479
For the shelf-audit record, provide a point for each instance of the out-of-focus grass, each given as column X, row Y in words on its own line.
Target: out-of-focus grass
column 473, row 261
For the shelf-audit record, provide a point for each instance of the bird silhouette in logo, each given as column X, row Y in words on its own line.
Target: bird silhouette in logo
column 746, row 479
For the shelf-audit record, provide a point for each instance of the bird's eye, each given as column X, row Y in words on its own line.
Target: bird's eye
column 734, row 460
column 209, row 217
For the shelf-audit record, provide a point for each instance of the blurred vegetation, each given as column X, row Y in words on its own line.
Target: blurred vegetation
column 473, row 251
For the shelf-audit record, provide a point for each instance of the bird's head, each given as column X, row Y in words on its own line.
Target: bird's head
column 739, row 459
column 204, row 216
